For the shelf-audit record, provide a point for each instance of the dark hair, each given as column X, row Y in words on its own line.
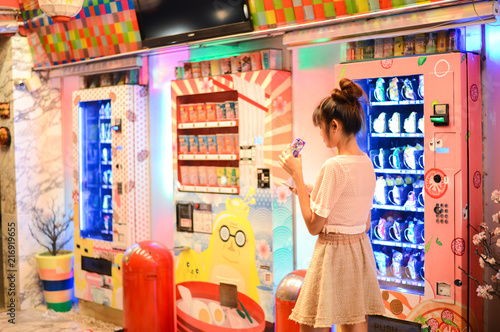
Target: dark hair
column 343, row 105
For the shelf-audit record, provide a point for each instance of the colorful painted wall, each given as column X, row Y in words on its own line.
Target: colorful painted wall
column 108, row 27
column 260, row 220
column 161, row 73
column 103, row 27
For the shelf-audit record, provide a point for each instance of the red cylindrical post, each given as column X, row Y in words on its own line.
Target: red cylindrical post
column 286, row 295
column 148, row 288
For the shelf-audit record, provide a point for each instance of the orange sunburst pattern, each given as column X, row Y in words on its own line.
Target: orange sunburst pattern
column 264, row 98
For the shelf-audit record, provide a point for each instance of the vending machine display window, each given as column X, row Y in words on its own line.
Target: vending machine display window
column 95, row 171
column 394, row 142
column 208, row 142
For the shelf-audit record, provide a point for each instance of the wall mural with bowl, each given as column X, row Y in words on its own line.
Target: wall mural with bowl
column 234, row 235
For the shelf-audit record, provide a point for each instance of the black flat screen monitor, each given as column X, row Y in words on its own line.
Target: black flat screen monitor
column 167, row 22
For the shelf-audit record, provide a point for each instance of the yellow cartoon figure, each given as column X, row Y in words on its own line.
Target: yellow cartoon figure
column 116, row 276
column 82, row 247
column 230, row 256
column 189, row 267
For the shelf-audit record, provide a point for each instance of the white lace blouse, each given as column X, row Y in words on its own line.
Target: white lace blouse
column 343, row 193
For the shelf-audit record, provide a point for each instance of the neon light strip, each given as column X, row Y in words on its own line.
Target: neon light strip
column 80, row 166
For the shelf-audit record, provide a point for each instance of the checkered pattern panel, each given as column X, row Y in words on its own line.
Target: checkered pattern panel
column 284, row 12
column 107, row 27
column 318, row 9
column 258, row 14
column 329, row 8
column 102, row 27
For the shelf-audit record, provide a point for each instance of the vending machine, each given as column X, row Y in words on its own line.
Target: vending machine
column 426, row 148
column 234, row 217
column 111, row 186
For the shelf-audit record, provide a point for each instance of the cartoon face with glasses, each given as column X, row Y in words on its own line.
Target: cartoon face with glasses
column 239, row 237
column 230, row 255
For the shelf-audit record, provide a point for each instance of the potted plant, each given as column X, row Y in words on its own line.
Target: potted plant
column 55, row 266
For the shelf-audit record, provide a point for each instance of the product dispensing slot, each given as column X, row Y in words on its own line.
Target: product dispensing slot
column 96, row 265
column 441, row 115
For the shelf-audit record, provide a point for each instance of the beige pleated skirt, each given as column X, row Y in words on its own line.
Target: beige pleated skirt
column 341, row 284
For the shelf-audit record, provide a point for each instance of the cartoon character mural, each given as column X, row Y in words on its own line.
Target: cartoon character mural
column 82, row 247
column 117, row 282
column 240, row 249
column 189, row 266
column 230, row 256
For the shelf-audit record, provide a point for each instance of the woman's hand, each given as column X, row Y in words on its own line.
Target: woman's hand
column 290, row 164
column 293, row 166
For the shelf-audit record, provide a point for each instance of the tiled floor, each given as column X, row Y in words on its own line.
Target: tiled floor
column 41, row 320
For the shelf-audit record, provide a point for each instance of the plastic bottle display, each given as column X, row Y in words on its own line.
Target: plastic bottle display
column 421, row 43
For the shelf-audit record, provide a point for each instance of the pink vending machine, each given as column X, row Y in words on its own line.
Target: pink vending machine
column 426, row 148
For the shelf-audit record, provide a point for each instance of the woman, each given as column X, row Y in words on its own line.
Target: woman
column 341, row 284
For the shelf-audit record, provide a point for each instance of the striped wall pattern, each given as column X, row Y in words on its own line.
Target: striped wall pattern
column 277, row 105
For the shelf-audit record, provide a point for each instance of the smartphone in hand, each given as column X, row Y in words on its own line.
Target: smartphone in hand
column 288, row 185
column 297, row 146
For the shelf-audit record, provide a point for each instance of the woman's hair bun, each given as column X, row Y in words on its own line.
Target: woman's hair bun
column 348, row 91
column 344, row 104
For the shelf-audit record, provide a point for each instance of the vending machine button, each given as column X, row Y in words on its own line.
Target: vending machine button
column 438, row 210
column 458, row 282
column 437, row 179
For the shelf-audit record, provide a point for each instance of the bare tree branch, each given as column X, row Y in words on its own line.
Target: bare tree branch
column 50, row 228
